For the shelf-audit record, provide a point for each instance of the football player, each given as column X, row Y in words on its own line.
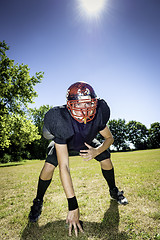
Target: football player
column 74, row 127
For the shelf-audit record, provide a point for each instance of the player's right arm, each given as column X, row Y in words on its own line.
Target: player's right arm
column 63, row 161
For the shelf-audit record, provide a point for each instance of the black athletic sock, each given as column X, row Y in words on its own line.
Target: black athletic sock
column 42, row 187
column 109, row 176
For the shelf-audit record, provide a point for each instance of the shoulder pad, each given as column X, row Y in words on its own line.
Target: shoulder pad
column 58, row 122
column 103, row 111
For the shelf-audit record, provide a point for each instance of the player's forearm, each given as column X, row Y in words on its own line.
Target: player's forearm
column 66, row 181
column 105, row 145
column 68, row 188
column 63, row 161
column 106, row 133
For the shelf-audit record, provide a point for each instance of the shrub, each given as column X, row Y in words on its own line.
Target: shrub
column 6, row 158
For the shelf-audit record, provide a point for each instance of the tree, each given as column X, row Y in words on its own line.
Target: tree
column 23, row 132
column 137, row 134
column 17, row 90
column 118, row 130
column 37, row 149
column 154, row 135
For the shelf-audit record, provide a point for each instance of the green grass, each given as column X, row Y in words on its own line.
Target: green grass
column 137, row 173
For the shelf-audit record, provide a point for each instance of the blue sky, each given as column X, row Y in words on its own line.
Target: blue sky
column 118, row 53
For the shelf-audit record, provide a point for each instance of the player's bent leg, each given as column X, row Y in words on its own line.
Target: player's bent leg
column 106, row 164
column 47, row 171
column 108, row 173
column 43, row 183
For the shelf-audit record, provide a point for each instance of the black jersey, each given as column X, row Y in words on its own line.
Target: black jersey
column 60, row 126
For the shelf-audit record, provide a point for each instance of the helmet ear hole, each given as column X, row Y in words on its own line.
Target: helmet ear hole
column 81, row 102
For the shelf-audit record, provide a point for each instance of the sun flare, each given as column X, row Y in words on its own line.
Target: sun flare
column 91, row 8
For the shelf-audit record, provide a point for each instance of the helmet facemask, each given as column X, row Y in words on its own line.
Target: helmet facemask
column 84, row 109
column 81, row 102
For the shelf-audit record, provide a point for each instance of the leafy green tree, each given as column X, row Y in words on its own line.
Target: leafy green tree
column 23, row 132
column 16, row 85
column 16, row 91
column 137, row 134
column 118, row 130
column 38, row 148
column 154, row 135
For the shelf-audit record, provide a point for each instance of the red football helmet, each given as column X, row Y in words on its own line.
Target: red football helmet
column 81, row 102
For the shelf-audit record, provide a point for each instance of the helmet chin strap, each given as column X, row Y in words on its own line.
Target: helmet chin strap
column 84, row 120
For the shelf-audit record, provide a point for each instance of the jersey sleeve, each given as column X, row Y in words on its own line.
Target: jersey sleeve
column 104, row 112
column 57, row 125
column 47, row 135
column 60, row 140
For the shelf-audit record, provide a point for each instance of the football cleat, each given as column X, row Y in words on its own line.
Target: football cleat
column 36, row 210
column 118, row 196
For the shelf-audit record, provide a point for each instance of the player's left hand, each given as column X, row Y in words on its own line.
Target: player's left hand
column 74, row 222
column 89, row 153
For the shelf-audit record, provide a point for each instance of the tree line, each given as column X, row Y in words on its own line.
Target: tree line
column 21, row 127
column 133, row 135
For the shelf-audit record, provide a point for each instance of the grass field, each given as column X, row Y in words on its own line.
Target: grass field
column 137, row 173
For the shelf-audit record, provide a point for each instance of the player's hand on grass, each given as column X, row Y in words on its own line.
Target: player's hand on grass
column 73, row 221
column 89, row 153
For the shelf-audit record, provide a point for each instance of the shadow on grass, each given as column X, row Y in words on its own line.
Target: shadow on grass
column 11, row 165
column 108, row 229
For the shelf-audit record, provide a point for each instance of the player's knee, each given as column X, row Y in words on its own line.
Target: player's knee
column 106, row 164
column 47, row 171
